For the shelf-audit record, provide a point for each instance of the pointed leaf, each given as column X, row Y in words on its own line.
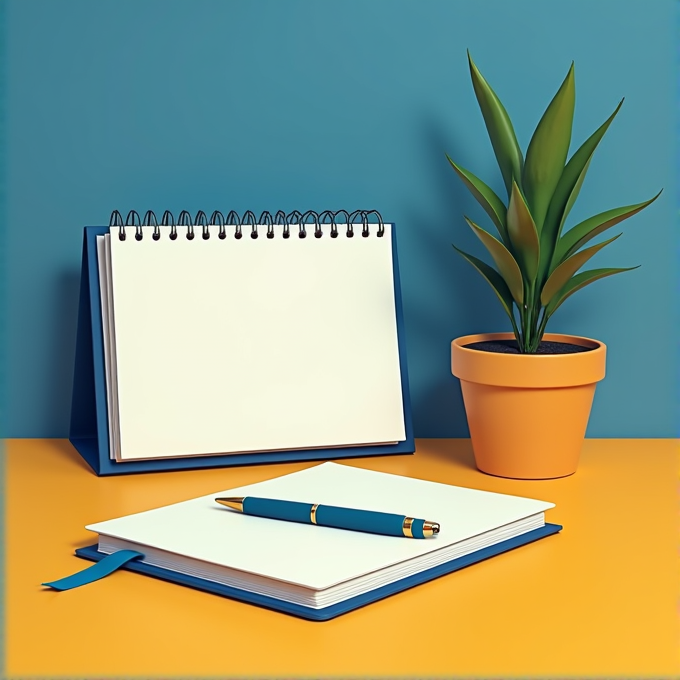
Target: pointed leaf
column 499, row 127
column 558, row 279
column 523, row 235
column 580, row 281
column 493, row 278
column 548, row 150
column 567, row 191
column 504, row 260
column 487, row 198
column 592, row 227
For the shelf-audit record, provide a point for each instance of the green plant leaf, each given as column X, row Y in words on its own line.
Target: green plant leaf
column 566, row 193
column 558, row 279
column 523, row 235
column 583, row 232
column 487, row 198
column 504, row 260
column 548, row 149
column 580, row 281
column 499, row 127
column 493, row 278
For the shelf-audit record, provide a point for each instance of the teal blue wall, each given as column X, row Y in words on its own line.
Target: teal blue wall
column 206, row 104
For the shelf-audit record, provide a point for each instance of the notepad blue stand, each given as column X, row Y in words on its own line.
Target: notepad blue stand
column 330, row 612
column 89, row 419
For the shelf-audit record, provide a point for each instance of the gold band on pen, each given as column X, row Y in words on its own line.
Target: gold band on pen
column 407, row 527
column 312, row 513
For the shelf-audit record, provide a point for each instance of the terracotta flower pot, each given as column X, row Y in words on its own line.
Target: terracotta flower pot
column 527, row 413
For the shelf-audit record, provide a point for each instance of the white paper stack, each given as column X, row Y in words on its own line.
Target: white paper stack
column 250, row 345
column 315, row 566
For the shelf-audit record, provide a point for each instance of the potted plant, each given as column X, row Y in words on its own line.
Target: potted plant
column 528, row 394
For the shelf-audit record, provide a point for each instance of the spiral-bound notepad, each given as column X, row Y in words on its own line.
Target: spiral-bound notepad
column 241, row 336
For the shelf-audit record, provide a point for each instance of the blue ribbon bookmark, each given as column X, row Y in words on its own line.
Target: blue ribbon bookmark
column 104, row 567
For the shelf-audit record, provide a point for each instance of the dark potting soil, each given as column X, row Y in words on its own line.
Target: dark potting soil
column 511, row 347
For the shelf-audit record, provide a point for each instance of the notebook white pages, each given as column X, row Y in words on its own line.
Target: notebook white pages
column 228, row 346
column 318, row 566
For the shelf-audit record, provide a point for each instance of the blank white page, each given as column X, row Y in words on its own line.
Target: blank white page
column 312, row 556
column 230, row 345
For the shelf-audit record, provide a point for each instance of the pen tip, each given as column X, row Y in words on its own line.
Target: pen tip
column 235, row 503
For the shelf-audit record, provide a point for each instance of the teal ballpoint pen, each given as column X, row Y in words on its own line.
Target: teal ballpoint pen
column 369, row 521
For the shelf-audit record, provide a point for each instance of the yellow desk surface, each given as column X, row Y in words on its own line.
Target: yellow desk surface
column 601, row 598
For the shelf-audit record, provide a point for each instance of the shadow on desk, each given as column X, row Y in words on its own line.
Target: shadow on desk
column 65, row 452
column 454, row 452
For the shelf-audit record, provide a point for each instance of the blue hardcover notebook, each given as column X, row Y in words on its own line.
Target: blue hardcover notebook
column 318, row 572
column 206, row 343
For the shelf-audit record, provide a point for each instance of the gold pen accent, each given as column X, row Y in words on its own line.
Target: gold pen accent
column 406, row 527
column 430, row 529
column 312, row 513
column 234, row 503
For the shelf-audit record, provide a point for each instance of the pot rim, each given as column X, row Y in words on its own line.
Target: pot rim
column 528, row 370
column 596, row 346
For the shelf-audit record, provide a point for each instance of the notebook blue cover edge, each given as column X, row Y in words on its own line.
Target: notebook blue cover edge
column 324, row 614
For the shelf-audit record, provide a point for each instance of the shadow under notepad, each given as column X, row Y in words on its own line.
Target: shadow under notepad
column 66, row 452
column 451, row 451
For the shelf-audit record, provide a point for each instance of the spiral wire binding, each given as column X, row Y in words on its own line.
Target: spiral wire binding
column 309, row 220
